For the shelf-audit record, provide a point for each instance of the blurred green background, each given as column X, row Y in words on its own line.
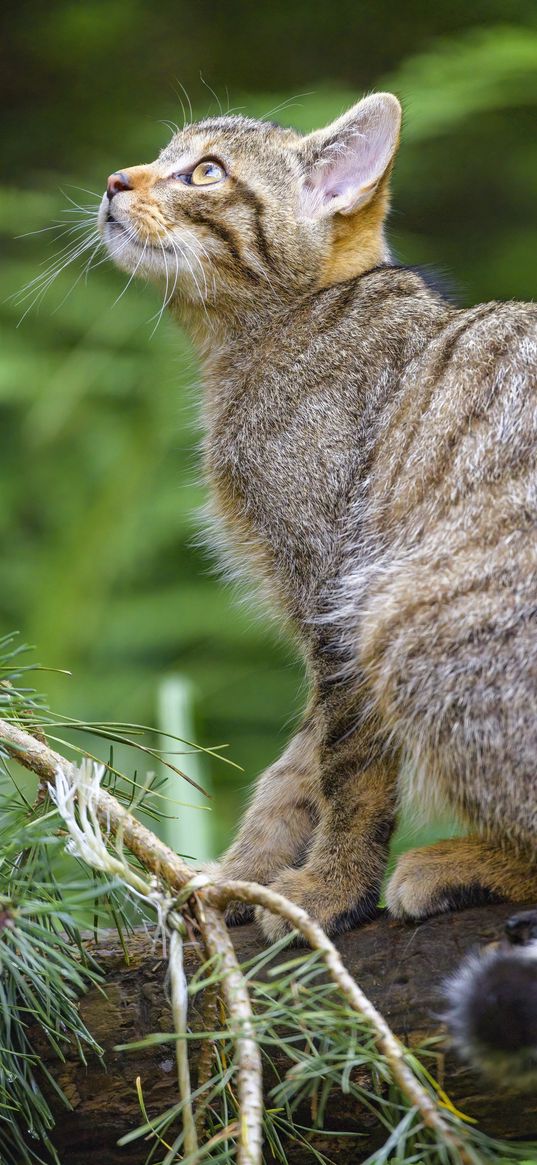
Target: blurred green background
column 99, row 468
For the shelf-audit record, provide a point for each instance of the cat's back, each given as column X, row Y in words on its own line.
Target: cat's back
column 454, row 495
column 464, row 421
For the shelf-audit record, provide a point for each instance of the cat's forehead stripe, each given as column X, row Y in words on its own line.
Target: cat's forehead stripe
column 239, row 124
column 235, row 131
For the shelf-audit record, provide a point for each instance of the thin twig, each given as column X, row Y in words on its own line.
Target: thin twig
column 179, row 1000
column 209, row 1021
column 250, row 1077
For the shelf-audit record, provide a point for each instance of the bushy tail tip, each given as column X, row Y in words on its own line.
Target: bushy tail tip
column 491, row 1008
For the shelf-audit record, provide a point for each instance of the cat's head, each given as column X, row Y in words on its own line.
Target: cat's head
column 235, row 211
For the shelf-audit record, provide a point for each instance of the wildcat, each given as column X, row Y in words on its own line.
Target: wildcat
column 370, row 451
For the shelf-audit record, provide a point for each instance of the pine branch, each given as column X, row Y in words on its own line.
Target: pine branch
column 169, row 868
column 206, row 902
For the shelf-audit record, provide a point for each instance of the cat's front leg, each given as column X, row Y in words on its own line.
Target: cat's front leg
column 340, row 882
column 278, row 824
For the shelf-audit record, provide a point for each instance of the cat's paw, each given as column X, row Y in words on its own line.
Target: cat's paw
column 421, row 887
column 236, row 913
column 331, row 906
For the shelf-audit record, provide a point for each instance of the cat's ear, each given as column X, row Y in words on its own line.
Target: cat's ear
column 345, row 162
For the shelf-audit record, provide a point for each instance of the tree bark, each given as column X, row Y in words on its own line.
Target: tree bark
column 401, row 968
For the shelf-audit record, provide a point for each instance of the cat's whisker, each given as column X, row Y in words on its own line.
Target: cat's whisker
column 180, row 251
column 189, row 103
column 210, row 264
column 131, row 237
column 89, row 208
column 177, row 247
column 166, row 297
column 211, row 90
column 91, row 266
column 35, row 302
column 105, row 259
column 203, row 299
column 88, row 265
column 41, row 282
column 184, row 242
column 172, row 293
column 82, row 273
column 285, row 104
column 65, row 253
column 183, row 110
column 170, row 125
column 67, row 229
column 176, row 244
column 84, row 190
column 38, row 290
column 68, row 248
column 88, row 211
column 84, row 233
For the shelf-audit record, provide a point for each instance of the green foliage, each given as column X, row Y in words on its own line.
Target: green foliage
column 487, row 69
column 47, row 899
column 43, row 969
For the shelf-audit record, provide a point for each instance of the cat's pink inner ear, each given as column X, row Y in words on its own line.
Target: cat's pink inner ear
column 349, row 158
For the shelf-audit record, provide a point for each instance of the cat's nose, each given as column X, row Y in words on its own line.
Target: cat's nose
column 116, row 183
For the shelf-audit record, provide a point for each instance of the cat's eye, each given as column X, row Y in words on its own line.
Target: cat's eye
column 204, row 174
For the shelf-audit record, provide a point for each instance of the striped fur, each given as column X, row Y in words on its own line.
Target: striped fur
column 370, row 451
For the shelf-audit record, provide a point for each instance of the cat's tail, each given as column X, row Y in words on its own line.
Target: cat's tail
column 492, row 1006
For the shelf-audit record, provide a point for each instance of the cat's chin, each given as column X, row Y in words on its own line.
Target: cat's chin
column 128, row 252
column 158, row 264
column 133, row 257
column 140, row 259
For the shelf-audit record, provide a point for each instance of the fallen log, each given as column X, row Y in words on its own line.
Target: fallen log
column 401, row 968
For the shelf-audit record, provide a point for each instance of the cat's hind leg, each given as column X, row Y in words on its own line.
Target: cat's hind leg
column 455, row 874
column 450, row 649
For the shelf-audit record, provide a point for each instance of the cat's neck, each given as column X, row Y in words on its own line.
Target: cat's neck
column 243, row 321
column 253, row 334
column 214, row 332
column 292, row 410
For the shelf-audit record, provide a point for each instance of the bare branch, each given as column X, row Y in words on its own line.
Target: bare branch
column 250, row 1078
